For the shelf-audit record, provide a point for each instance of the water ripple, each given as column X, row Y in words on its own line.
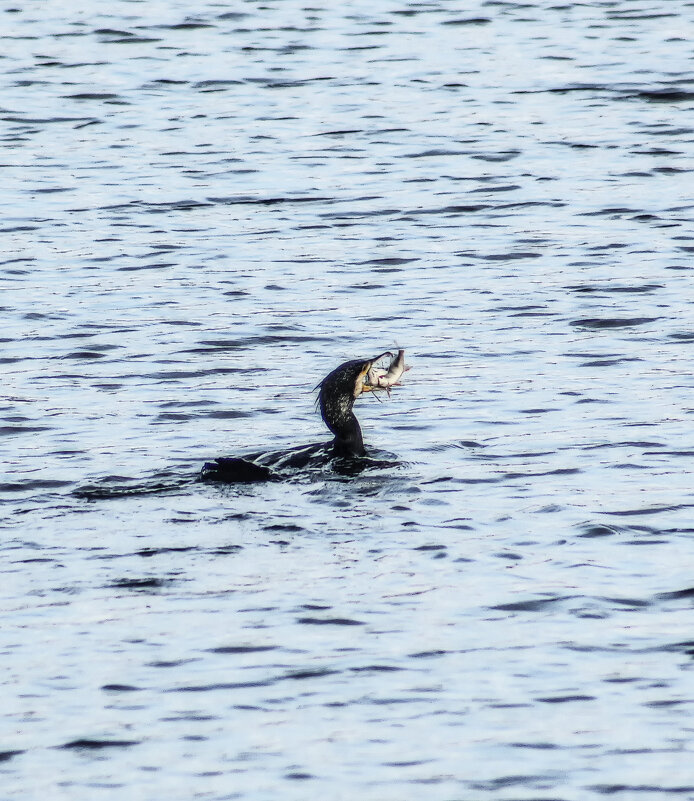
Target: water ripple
column 205, row 211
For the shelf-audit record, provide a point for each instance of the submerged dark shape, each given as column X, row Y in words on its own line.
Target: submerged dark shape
column 336, row 396
column 235, row 469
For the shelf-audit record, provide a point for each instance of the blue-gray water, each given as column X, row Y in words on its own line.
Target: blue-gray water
column 204, row 210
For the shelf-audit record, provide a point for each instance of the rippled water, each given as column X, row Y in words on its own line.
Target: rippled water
column 204, row 210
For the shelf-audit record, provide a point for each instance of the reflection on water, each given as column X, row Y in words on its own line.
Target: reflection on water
column 205, row 210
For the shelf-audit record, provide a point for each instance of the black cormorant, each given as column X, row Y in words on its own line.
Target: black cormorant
column 337, row 393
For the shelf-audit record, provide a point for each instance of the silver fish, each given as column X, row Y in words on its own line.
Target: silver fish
column 380, row 378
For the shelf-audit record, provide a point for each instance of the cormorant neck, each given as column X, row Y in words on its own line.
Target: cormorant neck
column 338, row 391
column 348, row 439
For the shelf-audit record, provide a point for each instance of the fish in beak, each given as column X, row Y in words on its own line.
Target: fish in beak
column 384, row 378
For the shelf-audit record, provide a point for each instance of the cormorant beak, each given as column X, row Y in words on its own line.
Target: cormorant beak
column 360, row 385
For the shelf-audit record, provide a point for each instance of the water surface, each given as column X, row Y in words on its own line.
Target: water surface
column 204, row 211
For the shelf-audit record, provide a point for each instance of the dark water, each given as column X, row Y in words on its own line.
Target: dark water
column 204, row 210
